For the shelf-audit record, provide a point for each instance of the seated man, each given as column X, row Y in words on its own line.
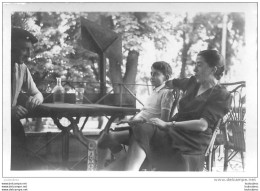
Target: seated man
column 158, row 105
column 21, row 45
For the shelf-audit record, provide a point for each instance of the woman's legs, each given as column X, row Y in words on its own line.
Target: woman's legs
column 136, row 154
column 139, row 146
column 135, row 157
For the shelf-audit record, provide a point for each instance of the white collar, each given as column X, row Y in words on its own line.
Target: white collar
column 17, row 65
column 157, row 89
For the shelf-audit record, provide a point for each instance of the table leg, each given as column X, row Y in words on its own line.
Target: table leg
column 65, row 148
column 92, row 156
column 90, row 144
column 65, row 140
column 92, row 150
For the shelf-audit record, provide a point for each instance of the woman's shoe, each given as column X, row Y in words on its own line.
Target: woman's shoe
column 105, row 141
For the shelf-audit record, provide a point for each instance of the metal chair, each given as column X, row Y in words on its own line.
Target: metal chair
column 234, row 128
column 210, row 152
column 230, row 132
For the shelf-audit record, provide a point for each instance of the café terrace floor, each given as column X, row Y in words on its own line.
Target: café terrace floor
column 235, row 164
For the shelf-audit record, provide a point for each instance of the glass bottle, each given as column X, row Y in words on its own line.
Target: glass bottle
column 58, row 92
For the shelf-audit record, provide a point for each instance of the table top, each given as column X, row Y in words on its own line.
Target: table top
column 49, row 109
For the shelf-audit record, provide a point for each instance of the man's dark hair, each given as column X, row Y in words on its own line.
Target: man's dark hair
column 21, row 34
column 163, row 67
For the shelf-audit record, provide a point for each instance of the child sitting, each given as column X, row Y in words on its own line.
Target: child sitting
column 158, row 105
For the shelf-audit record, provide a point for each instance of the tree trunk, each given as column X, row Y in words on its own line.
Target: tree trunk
column 131, row 69
column 183, row 60
column 115, row 72
column 185, row 49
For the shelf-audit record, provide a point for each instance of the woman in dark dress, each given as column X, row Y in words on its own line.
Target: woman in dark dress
column 204, row 102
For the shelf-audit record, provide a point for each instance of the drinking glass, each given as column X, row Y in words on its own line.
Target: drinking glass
column 79, row 95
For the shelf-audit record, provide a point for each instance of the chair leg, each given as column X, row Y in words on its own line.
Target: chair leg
column 220, row 151
column 210, row 162
column 242, row 159
column 206, row 163
column 213, row 157
column 225, row 159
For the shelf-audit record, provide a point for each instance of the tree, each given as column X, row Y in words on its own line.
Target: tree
column 205, row 30
column 60, row 52
column 135, row 28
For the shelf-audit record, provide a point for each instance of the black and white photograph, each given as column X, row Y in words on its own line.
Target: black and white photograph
column 103, row 94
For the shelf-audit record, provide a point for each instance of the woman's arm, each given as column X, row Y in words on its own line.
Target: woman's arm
column 180, row 83
column 165, row 115
column 193, row 125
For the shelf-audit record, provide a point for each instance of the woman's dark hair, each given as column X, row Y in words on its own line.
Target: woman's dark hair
column 163, row 67
column 214, row 59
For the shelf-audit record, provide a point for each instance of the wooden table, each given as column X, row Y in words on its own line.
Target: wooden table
column 73, row 112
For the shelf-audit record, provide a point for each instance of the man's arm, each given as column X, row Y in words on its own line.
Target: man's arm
column 18, row 112
column 34, row 100
column 39, row 96
column 36, row 97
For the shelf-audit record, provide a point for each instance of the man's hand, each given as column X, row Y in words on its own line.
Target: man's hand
column 32, row 102
column 160, row 123
column 19, row 111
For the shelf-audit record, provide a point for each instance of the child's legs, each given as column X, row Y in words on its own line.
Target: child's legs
column 118, row 165
column 121, row 137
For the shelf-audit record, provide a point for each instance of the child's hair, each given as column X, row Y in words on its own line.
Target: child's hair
column 163, row 67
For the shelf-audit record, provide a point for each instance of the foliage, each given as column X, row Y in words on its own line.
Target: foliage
column 59, row 51
column 204, row 31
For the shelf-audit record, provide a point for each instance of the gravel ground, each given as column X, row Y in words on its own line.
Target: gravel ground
column 235, row 165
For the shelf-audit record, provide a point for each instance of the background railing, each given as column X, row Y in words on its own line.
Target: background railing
column 118, row 94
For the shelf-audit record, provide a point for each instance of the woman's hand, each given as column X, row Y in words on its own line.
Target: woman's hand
column 160, row 123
